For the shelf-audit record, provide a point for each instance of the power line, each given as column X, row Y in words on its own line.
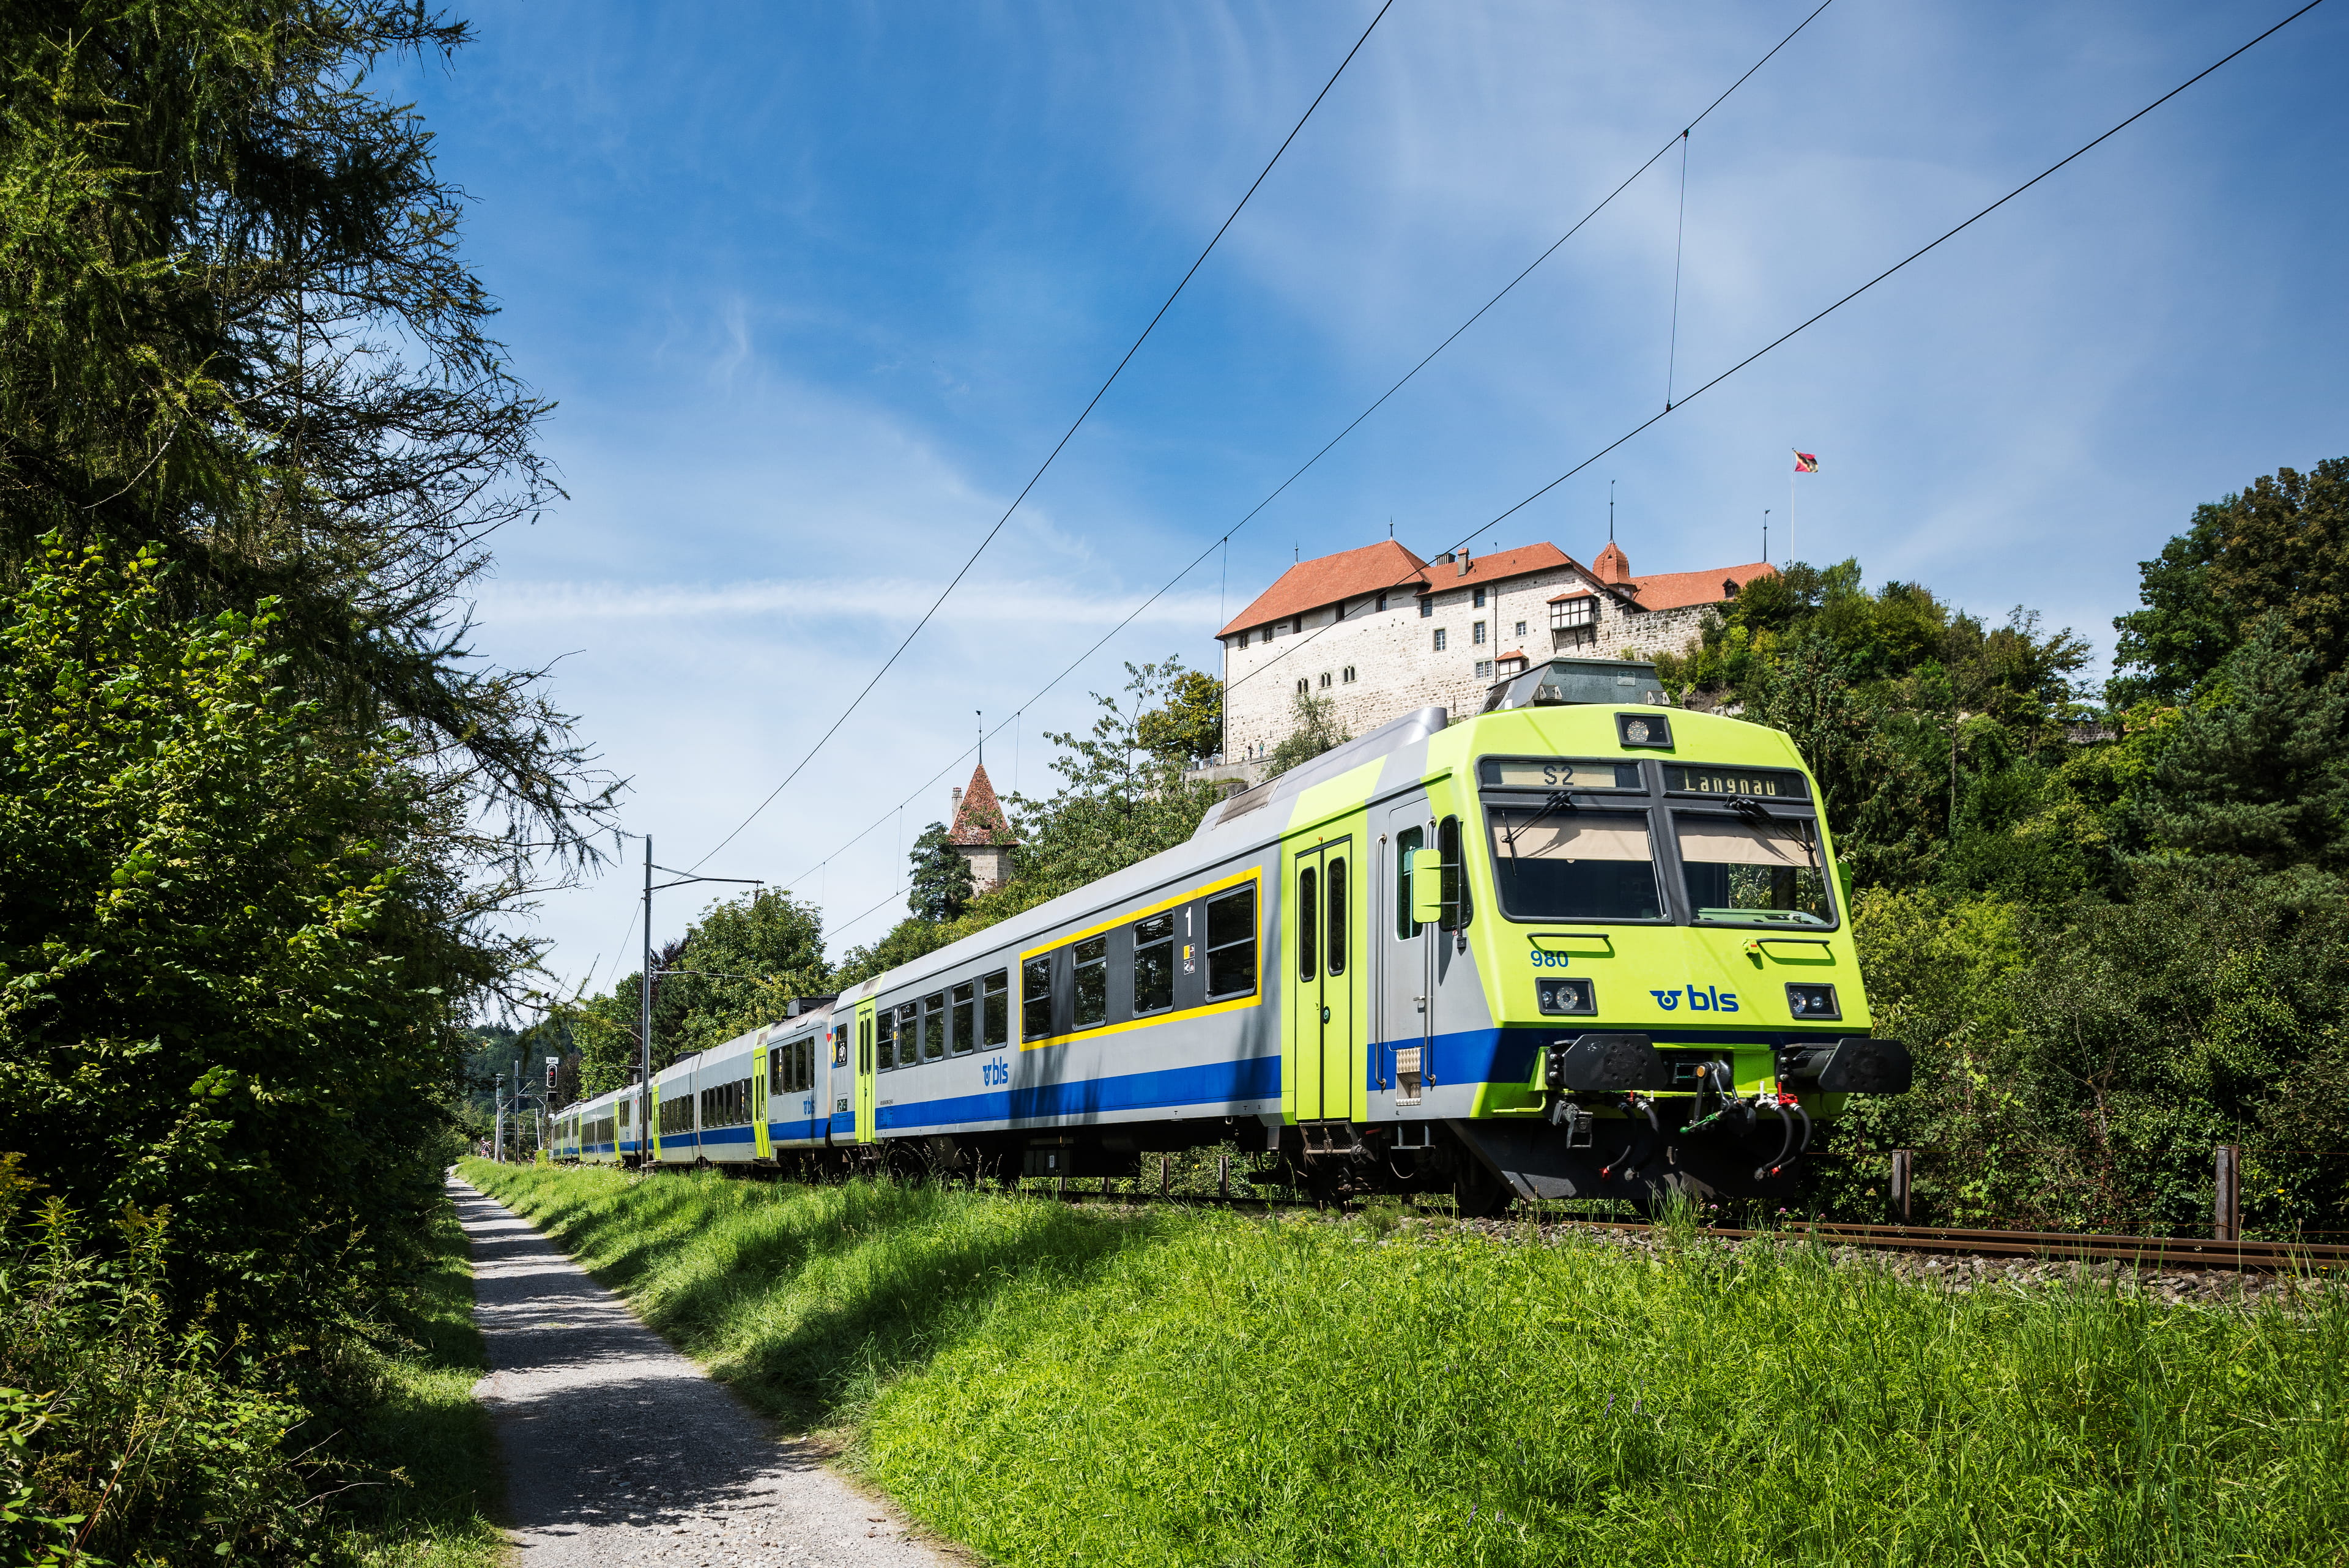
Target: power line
column 1814, row 320
column 1066, row 436
column 1223, row 539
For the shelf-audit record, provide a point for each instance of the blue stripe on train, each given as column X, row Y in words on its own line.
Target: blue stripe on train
column 1215, row 1083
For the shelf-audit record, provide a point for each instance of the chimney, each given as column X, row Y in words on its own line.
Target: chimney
column 956, row 802
column 1462, row 570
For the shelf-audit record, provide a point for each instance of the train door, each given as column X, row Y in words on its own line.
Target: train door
column 651, row 1128
column 864, row 1128
column 1325, row 893
column 1407, row 975
column 762, row 1140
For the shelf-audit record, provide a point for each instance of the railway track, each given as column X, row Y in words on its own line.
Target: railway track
column 2157, row 1253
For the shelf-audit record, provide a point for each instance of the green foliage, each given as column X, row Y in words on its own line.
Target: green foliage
column 129, row 1437
column 2076, row 1063
column 2258, row 765
column 942, row 884
column 233, row 954
column 1188, row 728
column 1049, row 1387
column 2279, row 548
column 237, row 322
column 1313, row 730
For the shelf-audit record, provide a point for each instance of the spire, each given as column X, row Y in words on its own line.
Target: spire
column 1612, row 565
column 978, row 817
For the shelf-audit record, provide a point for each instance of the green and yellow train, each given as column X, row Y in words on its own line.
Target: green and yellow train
column 1563, row 948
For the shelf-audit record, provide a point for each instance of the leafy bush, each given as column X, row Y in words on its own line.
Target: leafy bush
column 127, row 1437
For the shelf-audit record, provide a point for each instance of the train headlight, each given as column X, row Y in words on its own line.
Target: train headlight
column 1561, row 995
column 1809, row 1001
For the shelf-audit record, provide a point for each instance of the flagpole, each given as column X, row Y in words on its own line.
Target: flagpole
column 1792, row 474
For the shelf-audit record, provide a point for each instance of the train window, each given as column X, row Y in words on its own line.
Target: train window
column 1153, row 965
column 966, row 1016
column 1574, row 864
column 998, row 989
column 1036, row 998
column 934, row 1026
column 1409, row 839
column 885, row 1039
column 778, row 1076
column 1448, row 844
column 1231, row 943
column 1337, row 912
column 910, row 1033
column 1309, row 922
column 1091, row 957
column 807, row 1067
column 1762, row 872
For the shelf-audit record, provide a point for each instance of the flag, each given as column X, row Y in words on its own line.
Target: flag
column 1806, row 462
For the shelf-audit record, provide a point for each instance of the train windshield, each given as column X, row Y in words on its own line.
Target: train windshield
column 1758, row 867
column 1558, row 861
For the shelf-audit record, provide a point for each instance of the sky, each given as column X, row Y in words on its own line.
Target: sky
column 816, row 287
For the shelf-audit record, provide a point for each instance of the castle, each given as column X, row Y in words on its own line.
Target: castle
column 1380, row 632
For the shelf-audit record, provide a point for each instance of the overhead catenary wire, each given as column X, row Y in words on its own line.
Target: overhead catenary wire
column 1223, row 540
column 1815, row 319
column 1066, row 436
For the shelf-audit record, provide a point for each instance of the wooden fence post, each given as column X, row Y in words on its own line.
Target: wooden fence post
column 1903, row 1174
column 2227, row 1195
column 1224, row 1178
column 1165, row 1177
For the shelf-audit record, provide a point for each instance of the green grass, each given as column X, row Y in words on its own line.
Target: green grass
column 1054, row 1386
column 416, row 1416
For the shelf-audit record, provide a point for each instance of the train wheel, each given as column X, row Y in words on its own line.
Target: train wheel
column 1479, row 1194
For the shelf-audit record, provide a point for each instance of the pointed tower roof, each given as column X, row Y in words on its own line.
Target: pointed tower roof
column 1612, row 565
column 980, row 818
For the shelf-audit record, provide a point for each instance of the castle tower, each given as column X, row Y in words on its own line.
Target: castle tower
column 981, row 833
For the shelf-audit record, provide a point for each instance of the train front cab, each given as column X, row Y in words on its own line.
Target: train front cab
column 1612, row 959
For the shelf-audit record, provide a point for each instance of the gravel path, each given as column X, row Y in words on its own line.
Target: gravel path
column 619, row 1451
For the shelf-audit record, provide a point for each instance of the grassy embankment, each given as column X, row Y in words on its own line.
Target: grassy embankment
column 1057, row 1385
column 422, row 1422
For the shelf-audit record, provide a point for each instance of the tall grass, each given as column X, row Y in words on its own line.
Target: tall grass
column 413, row 1428
column 1056, row 1386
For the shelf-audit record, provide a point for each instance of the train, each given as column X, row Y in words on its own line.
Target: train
column 1583, row 944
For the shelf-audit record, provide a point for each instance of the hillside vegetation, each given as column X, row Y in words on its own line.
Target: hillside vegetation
column 1055, row 1385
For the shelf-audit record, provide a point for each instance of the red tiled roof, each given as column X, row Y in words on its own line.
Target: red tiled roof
column 1486, row 569
column 1677, row 590
column 1513, row 653
column 1327, row 580
column 980, row 818
column 1571, row 594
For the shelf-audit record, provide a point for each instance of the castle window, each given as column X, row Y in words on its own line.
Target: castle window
column 1382, row 599
column 1479, row 598
column 1520, row 632
column 1478, row 635
column 1346, row 675
column 1296, row 623
column 1439, row 640
column 1325, row 681
column 1304, row 688
column 1484, row 669
column 1426, row 605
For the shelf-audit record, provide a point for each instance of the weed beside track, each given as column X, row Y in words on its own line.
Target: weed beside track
column 1054, row 1384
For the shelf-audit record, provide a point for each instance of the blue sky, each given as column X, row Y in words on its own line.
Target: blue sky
column 816, row 286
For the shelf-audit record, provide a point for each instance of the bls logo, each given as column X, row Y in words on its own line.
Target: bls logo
column 1700, row 999
column 994, row 1072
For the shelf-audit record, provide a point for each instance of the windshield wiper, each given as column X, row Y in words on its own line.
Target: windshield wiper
column 1798, row 828
column 1559, row 801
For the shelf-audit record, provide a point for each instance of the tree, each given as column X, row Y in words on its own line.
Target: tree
column 2279, row 548
column 2258, row 766
column 941, row 884
column 235, row 959
column 1313, row 730
column 1188, row 729
column 239, row 324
